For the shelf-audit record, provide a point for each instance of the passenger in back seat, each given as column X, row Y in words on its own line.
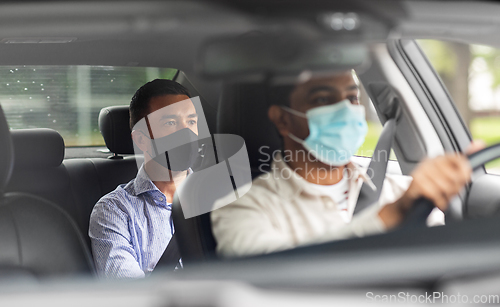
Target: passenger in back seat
column 131, row 227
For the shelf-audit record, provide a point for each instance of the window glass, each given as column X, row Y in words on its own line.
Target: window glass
column 68, row 98
column 471, row 73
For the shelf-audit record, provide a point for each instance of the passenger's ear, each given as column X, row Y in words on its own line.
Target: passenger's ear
column 280, row 119
column 140, row 140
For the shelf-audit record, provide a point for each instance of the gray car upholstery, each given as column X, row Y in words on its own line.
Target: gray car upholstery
column 38, row 168
column 6, row 154
column 115, row 129
column 74, row 185
column 92, row 178
column 242, row 111
column 38, row 238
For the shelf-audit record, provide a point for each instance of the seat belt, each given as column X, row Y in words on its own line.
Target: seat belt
column 388, row 103
column 378, row 167
column 171, row 255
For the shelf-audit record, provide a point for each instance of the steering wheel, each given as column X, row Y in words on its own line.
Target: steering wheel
column 422, row 207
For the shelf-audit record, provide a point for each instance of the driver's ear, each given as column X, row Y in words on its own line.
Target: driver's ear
column 280, row 119
column 141, row 140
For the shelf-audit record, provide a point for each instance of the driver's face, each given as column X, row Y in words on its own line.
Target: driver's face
column 318, row 92
column 170, row 113
column 324, row 91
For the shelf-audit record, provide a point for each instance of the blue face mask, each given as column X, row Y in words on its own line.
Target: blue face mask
column 335, row 131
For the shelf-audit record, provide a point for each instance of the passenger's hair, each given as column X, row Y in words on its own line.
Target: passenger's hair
column 139, row 106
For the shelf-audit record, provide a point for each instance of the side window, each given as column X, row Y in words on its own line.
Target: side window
column 69, row 98
column 471, row 73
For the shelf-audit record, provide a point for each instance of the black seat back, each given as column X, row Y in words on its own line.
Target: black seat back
column 242, row 111
column 193, row 246
column 35, row 234
column 38, row 168
column 40, row 238
column 92, row 178
column 115, row 129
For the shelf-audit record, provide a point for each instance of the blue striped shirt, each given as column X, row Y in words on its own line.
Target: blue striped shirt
column 130, row 228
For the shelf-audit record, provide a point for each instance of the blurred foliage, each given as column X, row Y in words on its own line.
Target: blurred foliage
column 443, row 59
column 491, row 58
column 485, row 59
column 487, row 129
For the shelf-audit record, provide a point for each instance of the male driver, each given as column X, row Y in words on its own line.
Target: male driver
column 311, row 191
column 131, row 226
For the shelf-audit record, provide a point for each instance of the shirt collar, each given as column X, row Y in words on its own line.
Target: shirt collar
column 143, row 183
column 292, row 184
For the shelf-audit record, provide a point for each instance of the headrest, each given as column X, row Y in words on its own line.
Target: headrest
column 6, row 152
column 37, row 148
column 243, row 111
column 115, row 129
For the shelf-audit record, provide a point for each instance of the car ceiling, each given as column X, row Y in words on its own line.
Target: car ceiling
column 466, row 21
column 152, row 33
column 170, row 33
column 163, row 34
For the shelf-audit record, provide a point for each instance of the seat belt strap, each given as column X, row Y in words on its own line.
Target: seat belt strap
column 171, row 255
column 377, row 167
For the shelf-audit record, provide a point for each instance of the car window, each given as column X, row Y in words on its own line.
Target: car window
column 471, row 75
column 68, row 98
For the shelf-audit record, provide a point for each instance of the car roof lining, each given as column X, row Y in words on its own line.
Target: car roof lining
column 169, row 33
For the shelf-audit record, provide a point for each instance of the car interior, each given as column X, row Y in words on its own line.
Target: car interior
column 48, row 189
column 73, row 185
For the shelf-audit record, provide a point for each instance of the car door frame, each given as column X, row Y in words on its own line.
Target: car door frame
column 480, row 198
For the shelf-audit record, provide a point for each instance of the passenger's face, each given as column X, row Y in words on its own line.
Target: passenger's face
column 170, row 113
column 167, row 114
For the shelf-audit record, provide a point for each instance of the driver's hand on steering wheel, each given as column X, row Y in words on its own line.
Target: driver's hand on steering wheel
column 438, row 179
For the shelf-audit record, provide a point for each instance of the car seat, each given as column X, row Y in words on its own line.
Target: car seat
column 38, row 168
column 92, row 178
column 115, row 129
column 242, row 111
column 37, row 237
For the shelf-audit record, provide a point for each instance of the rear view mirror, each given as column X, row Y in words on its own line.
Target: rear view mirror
column 262, row 53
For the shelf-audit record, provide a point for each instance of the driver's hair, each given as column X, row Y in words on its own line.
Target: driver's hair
column 279, row 94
